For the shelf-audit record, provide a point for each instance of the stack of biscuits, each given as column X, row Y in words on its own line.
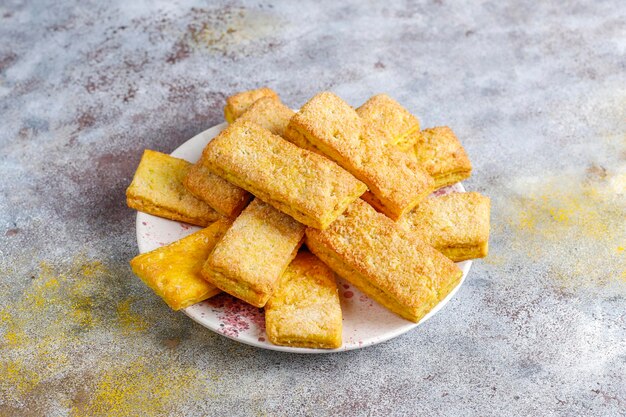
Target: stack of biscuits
column 290, row 200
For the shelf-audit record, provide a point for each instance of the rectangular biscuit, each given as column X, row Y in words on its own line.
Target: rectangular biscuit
column 239, row 103
column 157, row 188
column 269, row 113
column 307, row 186
column 391, row 266
column 333, row 128
column 224, row 197
column 386, row 115
column 173, row 271
column 456, row 224
column 253, row 254
column 304, row 311
column 441, row 154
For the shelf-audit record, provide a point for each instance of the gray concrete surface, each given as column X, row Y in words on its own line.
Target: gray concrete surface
column 535, row 90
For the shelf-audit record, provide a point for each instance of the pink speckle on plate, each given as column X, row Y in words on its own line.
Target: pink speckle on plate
column 236, row 316
column 444, row 191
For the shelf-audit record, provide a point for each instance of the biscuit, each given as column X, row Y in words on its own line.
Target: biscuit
column 224, row 197
column 253, row 254
column 386, row 115
column 239, row 103
column 391, row 266
column 173, row 271
column 456, row 224
column 307, row 186
column 157, row 188
column 297, row 138
column 270, row 113
column 304, row 311
column 441, row 154
column 333, row 128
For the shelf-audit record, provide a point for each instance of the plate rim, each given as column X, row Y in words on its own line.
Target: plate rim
column 210, row 133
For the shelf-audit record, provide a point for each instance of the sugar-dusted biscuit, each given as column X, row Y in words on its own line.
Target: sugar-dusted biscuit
column 239, row 103
column 390, row 265
column 396, row 123
column 173, row 271
column 253, row 254
column 441, row 154
column 307, row 186
column 297, row 138
column 456, row 224
column 333, row 128
column 224, row 197
column 157, row 188
column 304, row 311
column 269, row 113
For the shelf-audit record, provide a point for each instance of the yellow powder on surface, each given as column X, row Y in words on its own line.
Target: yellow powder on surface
column 36, row 331
column 573, row 223
column 142, row 387
column 129, row 320
column 58, row 337
column 16, row 376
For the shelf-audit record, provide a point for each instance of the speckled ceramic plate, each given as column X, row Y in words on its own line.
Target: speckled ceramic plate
column 365, row 323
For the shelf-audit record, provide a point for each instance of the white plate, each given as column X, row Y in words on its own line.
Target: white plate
column 365, row 323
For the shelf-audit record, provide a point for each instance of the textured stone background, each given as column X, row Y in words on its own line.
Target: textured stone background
column 535, row 90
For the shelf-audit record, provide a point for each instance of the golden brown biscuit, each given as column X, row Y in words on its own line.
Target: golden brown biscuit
column 297, row 138
column 333, row 128
column 456, row 224
column 303, row 184
column 239, row 103
column 224, row 197
column 441, row 154
column 391, row 266
column 270, row 113
column 386, row 115
column 304, row 311
column 173, row 271
column 249, row 260
column 157, row 188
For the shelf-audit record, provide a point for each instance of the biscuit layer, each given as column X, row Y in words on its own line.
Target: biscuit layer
column 224, row 197
column 386, row 115
column 238, row 103
column 307, row 186
column 333, row 128
column 391, row 266
column 253, row 254
column 157, row 188
column 305, row 311
column 173, row 271
column 456, row 224
column 441, row 154
column 269, row 113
